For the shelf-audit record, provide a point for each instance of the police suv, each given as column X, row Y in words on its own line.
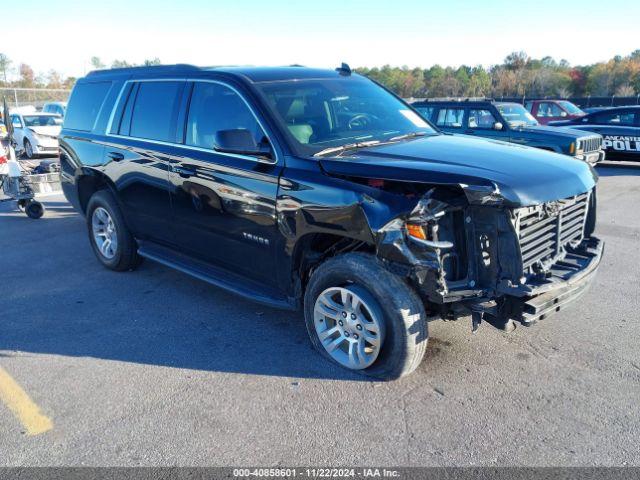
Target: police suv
column 620, row 127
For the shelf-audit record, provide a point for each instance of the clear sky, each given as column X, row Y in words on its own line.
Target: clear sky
column 65, row 34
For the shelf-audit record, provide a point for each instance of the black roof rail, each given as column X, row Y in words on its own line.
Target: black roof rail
column 145, row 68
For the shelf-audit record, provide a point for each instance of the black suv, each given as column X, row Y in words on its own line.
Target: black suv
column 509, row 122
column 321, row 190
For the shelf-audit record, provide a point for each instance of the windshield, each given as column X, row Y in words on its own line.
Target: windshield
column 516, row 115
column 41, row 120
column 571, row 108
column 325, row 113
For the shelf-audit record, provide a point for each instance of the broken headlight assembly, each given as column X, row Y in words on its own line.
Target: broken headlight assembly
column 426, row 235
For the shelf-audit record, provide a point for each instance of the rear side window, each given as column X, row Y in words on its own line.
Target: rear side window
column 155, row 111
column 450, row 117
column 84, row 105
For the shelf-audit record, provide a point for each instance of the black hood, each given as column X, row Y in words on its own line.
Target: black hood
column 568, row 133
column 524, row 176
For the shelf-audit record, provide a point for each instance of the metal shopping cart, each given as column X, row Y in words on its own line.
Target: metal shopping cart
column 16, row 182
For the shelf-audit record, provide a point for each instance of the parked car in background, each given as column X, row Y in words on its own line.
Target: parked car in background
column 37, row 133
column 546, row 111
column 619, row 126
column 55, row 107
column 509, row 122
column 319, row 190
column 23, row 109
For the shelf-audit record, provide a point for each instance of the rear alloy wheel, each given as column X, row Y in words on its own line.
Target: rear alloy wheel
column 110, row 238
column 105, row 235
column 28, row 149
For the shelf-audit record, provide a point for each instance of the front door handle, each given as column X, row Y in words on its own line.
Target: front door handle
column 183, row 171
column 115, row 156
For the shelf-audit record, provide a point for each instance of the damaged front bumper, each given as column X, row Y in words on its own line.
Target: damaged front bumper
column 565, row 282
column 482, row 261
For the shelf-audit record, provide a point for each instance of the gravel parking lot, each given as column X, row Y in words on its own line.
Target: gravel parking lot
column 155, row 368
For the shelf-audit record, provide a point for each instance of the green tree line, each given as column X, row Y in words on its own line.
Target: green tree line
column 21, row 75
column 518, row 75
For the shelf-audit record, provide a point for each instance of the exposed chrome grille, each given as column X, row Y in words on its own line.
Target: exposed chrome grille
column 544, row 231
column 590, row 144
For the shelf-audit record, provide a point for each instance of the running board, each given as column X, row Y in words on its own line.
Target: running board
column 219, row 277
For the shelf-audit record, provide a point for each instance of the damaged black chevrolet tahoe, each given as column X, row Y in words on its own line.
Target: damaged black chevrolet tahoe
column 321, row 190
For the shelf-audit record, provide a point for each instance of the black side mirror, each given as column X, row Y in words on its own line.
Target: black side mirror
column 240, row 141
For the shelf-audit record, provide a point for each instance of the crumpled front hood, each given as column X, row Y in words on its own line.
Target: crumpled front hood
column 50, row 130
column 525, row 176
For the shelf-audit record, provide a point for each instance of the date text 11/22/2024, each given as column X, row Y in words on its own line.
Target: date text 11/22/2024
column 316, row 472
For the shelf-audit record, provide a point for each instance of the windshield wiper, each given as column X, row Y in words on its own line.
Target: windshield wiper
column 346, row 147
column 356, row 145
column 406, row 136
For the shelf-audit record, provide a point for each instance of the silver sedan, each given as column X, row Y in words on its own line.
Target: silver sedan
column 37, row 133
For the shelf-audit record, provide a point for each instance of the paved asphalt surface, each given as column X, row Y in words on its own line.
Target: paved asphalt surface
column 155, row 368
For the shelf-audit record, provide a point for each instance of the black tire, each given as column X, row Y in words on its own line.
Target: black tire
column 406, row 331
column 34, row 209
column 29, row 149
column 126, row 256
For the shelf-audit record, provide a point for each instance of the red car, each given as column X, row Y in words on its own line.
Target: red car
column 546, row 111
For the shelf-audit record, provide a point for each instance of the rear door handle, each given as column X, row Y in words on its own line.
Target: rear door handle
column 115, row 156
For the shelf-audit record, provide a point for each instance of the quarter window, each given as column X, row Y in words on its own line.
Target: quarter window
column 84, row 105
column 215, row 107
column 481, row 119
column 450, row 117
column 154, row 114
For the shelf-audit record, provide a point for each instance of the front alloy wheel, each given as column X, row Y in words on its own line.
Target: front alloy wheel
column 363, row 317
column 104, row 233
column 349, row 324
column 28, row 149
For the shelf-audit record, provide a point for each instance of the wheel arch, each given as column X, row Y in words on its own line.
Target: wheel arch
column 312, row 248
column 89, row 182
